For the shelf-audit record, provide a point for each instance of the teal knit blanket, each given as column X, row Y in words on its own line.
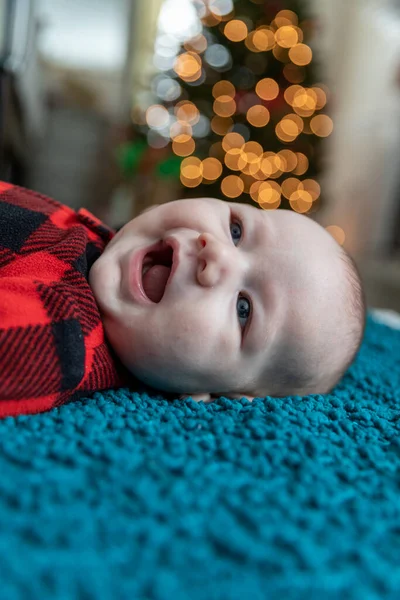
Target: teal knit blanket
column 130, row 496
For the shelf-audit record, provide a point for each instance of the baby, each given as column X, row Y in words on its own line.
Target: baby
column 209, row 298
column 196, row 297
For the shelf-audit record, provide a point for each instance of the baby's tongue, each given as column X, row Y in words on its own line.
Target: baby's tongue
column 155, row 280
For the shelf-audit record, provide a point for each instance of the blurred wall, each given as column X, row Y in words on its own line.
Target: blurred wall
column 359, row 43
column 88, row 41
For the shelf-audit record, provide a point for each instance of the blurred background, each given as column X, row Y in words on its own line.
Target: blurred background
column 115, row 105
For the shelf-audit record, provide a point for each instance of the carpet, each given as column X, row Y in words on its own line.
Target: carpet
column 128, row 495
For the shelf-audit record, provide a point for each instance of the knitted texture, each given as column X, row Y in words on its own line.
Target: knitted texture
column 130, row 496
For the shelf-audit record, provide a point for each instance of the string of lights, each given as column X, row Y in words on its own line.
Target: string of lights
column 213, row 129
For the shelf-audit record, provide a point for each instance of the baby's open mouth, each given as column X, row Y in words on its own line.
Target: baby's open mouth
column 156, row 269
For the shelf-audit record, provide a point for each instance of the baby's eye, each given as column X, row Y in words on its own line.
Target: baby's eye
column 243, row 308
column 236, row 232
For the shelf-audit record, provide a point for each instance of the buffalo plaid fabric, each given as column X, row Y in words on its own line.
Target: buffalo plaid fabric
column 52, row 345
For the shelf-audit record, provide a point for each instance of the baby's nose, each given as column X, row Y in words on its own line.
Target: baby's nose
column 215, row 260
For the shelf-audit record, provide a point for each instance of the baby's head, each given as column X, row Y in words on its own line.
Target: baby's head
column 204, row 296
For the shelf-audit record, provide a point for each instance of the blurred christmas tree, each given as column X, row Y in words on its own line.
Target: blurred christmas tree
column 240, row 109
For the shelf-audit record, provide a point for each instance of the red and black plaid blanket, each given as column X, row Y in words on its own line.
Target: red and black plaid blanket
column 52, row 345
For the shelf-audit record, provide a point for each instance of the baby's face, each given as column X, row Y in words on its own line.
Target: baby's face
column 244, row 285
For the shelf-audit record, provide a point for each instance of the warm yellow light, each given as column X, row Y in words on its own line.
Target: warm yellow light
column 312, row 187
column 290, row 128
column 223, row 88
column 296, row 119
column 183, row 145
column 302, row 164
column 305, row 99
column 321, row 125
column 157, row 116
column 301, row 54
column 300, row 33
column 211, row 19
column 232, row 186
column 191, row 168
column 187, row 111
column 290, row 185
column 224, row 106
column 289, row 160
column 270, row 164
column 269, row 192
column 280, row 22
column 263, row 39
column 249, row 43
column 236, row 30
column 289, row 15
column 180, row 128
column 321, row 97
column 221, row 125
column 188, row 66
column 258, row 115
column 267, row 89
column 197, row 44
column 281, row 54
column 267, row 166
column 285, row 137
column 254, row 169
column 232, row 140
column 212, row 168
column 235, row 160
column 300, row 201
column 266, row 193
column 252, row 151
column 304, row 112
column 287, row 36
column 290, row 93
column 337, row 232
column 190, row 183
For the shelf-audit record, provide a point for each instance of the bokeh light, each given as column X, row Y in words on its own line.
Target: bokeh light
column 286, row 36
column 235, row 160
column 157, row 116
column 300, row 201
column 301, row 54
column 187, row 111
column 221, row 125
column 267, row 89
column 183, row 145
column 224, row 106
column 337, row 233
column 197, row 44
column 302, row 164
column 236, row 30
column 321, row 125
column 232, row 186
column 289, row 160
column 180, row 128
column 191, row 168
column 258, row 115
column 188, row 66
column 263, row 39
column 223, row 88
column 233, row 140
column 212, row 169
column 288, row 15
